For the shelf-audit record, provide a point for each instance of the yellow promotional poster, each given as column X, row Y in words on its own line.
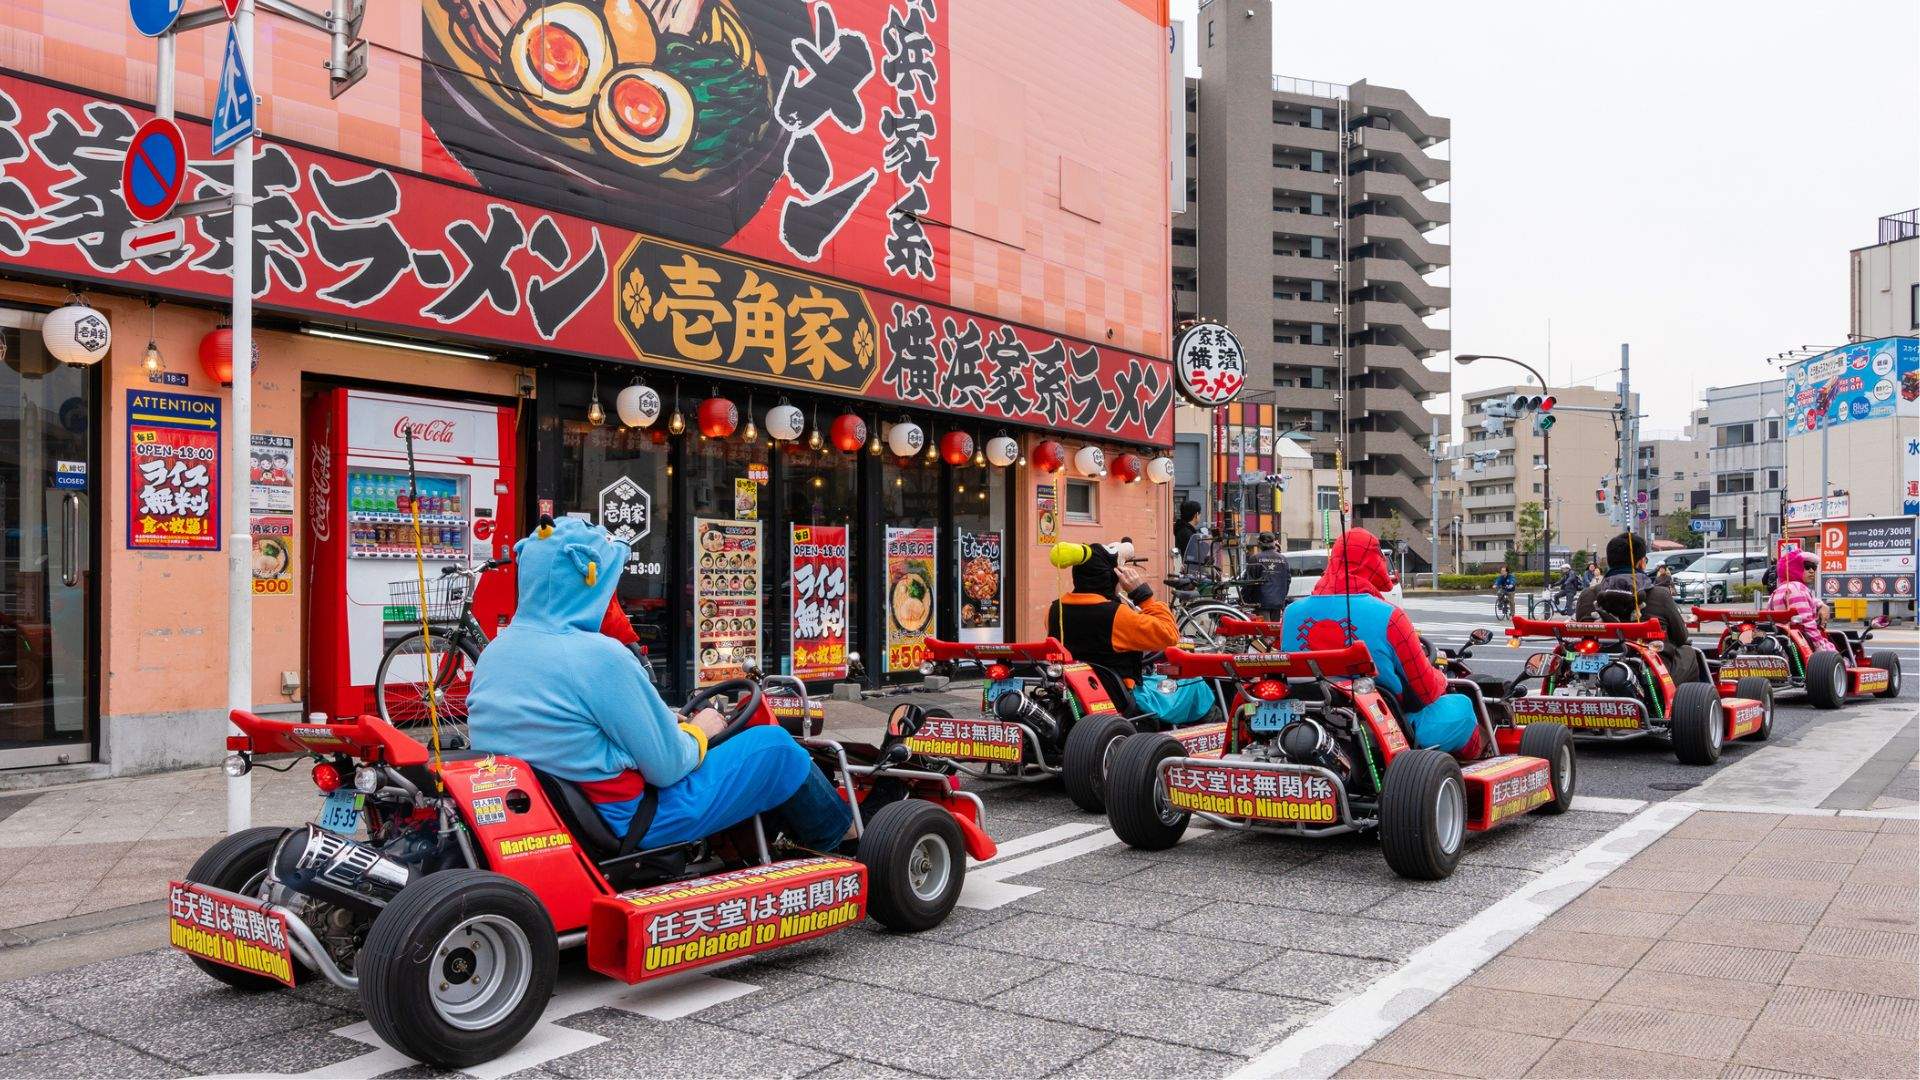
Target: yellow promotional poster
column 910, row 596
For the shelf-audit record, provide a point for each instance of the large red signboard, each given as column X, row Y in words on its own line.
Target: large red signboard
column 346, row 240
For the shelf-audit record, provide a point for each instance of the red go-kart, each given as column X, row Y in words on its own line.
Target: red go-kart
column 1041, row 715
column 1607, row 680
column 447, row 916
column 1767, row 645
column 1315, row 748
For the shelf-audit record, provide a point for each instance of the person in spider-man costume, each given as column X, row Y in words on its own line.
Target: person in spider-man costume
column 1346, row 606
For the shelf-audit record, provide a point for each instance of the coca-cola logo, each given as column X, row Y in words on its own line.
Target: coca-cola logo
column 321, row 491
column 440, row 431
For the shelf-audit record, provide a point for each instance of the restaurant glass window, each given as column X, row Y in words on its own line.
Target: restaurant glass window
column 817, row 500
column 732, row 587
column 982, row 545
column 620, row 478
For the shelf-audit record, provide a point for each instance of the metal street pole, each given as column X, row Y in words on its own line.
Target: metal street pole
column 240, row 428
column 1746, row 529
column 1433, row 516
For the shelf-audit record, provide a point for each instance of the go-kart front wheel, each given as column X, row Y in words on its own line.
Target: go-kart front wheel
column 1697, row 725
column 1889, row 662
column 1423, row 815
column 916, row 863
column 238, row 864
column 1554, row 743
column 458, row 968
column 1137, row 805
column 1089, row 758
column 1826, row 680
column 1757, row 688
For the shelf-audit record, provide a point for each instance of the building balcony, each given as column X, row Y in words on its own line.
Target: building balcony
column 1301, row 268
column 1500, row 445
column 1325, row 226
column 1402, row 452
column 1402, row 154
column 1401, row 196
column 1404, row 283
column 1487, row 475
column 1305, row 182
column 1488, row 502
column 1485, row 529
column 1303, row 399
column 1399, row 320
column 1414, row 502
column 1399, row 238
column 1299, row 354
column 1396, row 406
column 1406, row 366
column 1365, row 99
column 1305, row 311
column 1295, row 137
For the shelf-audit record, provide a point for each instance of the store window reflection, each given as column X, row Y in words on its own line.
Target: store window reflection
column 621, row 478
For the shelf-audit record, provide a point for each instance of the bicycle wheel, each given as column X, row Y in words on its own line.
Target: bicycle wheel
column 402, row 686
column 1200, row 624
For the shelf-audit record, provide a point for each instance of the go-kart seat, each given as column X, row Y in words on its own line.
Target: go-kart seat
column 1116, row 688
column 580, row 816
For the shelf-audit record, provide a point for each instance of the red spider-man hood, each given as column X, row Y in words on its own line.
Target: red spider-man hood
column 1355, row 565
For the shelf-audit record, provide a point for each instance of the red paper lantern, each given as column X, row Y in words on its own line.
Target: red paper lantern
column 216, row 355
column 1127, row 468
column 1049, row 456
column 956, row 447
column 717, row 417
column 847, row 433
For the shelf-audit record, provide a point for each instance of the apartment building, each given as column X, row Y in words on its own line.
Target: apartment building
column 1314, row 244
column 1746, row 460
column 1512, row 472
column 1884, row 281
column 1671, row 468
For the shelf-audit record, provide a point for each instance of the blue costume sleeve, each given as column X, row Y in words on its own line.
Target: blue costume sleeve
column 623, row 703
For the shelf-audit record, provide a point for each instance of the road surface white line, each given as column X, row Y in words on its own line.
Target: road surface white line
column 1347, row 1030
column 1600, row 804
column 1031, row 841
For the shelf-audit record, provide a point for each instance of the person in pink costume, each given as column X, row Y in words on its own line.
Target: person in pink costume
column 1792, row 594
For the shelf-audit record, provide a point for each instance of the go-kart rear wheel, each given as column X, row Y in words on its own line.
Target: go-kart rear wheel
column 1697, row 725
column 1423, row 815
column 1137, row 805
column 916, row 863
column 1826, row 680
column 1889, row 662
column 1089, row 757
column 1554, row 743
column 1758, row 688
column 238, row 864
column 458, row 968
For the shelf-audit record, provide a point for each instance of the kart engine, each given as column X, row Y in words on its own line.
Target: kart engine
column 336, row 870
column 1016, row 707
column 1616, row 680
column 1307, row 741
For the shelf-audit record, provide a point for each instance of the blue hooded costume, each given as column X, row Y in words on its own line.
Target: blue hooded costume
column 574, row 703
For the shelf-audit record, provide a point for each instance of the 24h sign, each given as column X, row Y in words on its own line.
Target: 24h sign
column 626, row 510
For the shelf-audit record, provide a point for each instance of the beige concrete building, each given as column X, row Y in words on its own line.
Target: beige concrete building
column 1884, row 284
column 1312, row 212
column 1512, row 473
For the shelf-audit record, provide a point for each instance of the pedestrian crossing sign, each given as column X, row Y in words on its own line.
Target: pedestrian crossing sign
column 234, row 109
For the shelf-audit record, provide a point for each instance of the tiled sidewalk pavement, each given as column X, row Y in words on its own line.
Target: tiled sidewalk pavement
column 1750, row 945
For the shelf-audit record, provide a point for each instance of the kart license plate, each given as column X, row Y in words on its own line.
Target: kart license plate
column 995, row 689
column 1271, row 716
column 341, row 812
column 227, row 928
column 1588, row 665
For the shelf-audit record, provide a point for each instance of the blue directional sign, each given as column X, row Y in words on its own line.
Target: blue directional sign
column 154, row 17
column 234, row 109
column 1705, row 526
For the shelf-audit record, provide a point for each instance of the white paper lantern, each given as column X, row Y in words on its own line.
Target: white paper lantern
column 1002, row 451
column 1160, row 470
column 785, row 423
column 1090, row 461
column 906, row 439
column 638, row 405
column 76, row 334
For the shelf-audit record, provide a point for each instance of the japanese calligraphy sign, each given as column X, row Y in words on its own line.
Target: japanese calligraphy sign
column 626, row 510
column 671, row 928
column 173, row 471
column 961, row 739
column 726, row 598
column 982, row 569
column 1202, row 740
column 1591, row 713
column 229, row 929
column 1291, row 796
column 818, row 601
column 911, row 601
column 1209, row 365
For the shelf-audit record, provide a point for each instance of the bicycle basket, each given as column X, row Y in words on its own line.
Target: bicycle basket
column 446, row 599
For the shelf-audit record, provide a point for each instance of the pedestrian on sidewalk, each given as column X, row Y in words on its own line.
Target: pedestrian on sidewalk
column 1272, row 577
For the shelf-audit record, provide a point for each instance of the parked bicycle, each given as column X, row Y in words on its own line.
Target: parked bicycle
column 437, row 663
column 1198, row 605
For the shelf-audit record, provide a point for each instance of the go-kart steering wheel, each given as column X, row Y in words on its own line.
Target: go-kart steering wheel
column 738, row 718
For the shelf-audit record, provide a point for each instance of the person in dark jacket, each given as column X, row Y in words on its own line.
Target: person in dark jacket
column 1184, row 528
column 1272, row 576
column 1626, row 594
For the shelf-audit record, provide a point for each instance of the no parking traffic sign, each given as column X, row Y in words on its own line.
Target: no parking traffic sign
column 155, row 169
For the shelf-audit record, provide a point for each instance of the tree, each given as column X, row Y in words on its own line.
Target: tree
column 1390, row 530
column 1531, row 522
column 1679, row 529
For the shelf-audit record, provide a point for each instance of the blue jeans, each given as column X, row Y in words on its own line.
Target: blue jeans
column 758, row 771
column 1447, row 724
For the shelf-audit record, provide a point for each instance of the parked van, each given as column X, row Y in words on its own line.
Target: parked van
column 1307, row 566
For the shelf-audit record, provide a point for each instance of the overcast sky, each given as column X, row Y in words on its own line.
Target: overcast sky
column 1687, row 176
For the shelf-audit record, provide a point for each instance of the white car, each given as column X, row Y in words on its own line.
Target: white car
column 1307, row 566
column 1712, row 578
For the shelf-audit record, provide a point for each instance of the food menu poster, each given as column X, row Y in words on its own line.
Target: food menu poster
column 726, row 598
column 270, row 513
column 173, row 472
column 981, row 566
column 1046, row 514
column 819, row 601
column 910, row 596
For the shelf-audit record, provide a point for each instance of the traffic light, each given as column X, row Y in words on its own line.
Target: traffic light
column 1543, row 418
column 1522, row 404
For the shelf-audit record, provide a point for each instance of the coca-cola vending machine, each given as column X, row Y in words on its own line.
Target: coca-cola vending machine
column 360, row 531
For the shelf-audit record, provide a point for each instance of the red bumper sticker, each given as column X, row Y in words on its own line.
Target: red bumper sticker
column 1203, row 740
column 1771, row 668
column 1290, row 796
column 230, row 929
column 1743, row 717
column 967, row 740
column 1591, row 713
column 1868, row 680
column 1514, row 785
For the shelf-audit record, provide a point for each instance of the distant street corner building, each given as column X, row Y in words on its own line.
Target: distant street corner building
column 1312, row 240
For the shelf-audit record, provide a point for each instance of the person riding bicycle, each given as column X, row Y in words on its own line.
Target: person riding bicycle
column 1348, row 605
column 1503, row 590
column 1567, row 588
column 568, row 699
column 1272, row 577
column 1792, row 594
column 1627, row 594
column 1099, row 628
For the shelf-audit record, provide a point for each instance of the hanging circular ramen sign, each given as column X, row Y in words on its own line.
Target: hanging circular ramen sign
column 1209, row 365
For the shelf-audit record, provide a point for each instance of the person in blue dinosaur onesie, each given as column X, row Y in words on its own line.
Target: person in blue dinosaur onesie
column 555, row 692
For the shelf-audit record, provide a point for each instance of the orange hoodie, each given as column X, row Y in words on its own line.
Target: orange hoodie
column 1148, row 630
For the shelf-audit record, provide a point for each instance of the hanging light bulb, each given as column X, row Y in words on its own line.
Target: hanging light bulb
column 595, row 414
column 873, row 445
column 979, row 456
column 750, row 433
column 676, row 423
column 813, row 435
column 1022, row 462
column 818, row 482
column 151, row 360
